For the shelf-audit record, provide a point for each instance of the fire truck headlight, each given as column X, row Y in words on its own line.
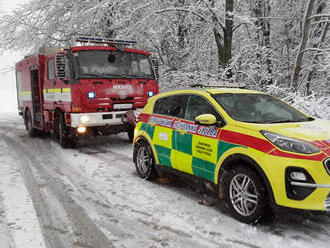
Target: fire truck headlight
column 84, row 119
column 81, row 130
column 150, row 93
column 91, row 95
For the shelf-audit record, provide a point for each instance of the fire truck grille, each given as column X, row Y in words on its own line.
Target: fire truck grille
column 121, row 100
column 327, row 165
column 107, row 116
column 62, row 66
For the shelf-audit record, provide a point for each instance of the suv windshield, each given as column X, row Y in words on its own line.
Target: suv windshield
column 111, row 64
column 258, row 108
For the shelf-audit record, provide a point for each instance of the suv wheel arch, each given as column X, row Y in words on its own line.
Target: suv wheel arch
column 236, row 159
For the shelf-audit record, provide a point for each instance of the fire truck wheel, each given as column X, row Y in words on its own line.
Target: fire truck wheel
column 63, row 133
column 130, row 134
column 32, row 132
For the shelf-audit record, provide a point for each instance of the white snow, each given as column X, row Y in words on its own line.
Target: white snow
column 96, row 185
column 18, row 209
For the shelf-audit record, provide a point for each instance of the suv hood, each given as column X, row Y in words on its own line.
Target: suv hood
column 317, row 130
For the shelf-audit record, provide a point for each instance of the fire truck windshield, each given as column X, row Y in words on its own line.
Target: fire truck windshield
column 111, row 64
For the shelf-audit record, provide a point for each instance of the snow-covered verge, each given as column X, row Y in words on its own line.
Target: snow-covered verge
column 316, row 104
column 19, row 226
column 91, row 196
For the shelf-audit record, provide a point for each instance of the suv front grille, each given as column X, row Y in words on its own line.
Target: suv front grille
column 327, row 165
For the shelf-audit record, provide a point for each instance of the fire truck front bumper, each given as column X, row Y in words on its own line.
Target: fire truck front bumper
column 97, row 119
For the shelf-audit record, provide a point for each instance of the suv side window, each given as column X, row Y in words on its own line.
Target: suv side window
column 172, row 105
column 197, row 105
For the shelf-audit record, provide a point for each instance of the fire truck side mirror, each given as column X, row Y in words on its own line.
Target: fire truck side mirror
column 155, row 66
column 62, row 67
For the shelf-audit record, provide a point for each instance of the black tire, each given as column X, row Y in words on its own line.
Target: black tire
column 244, row 194
column 32, row 132
column 130, row 134
column 63, row 133
column 144, row 161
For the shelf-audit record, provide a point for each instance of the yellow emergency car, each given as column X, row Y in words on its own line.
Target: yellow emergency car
column 255, row 148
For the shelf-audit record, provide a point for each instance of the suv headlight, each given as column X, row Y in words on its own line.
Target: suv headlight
column 289, row 144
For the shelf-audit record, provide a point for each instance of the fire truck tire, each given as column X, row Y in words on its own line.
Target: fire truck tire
column 63, row 133
column 32, row 132
column 130, row 134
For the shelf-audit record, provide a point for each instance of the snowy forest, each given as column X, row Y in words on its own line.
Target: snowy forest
column 278, row 46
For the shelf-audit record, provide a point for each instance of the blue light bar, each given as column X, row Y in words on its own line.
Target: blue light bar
column 91, row 95
column 105, row 40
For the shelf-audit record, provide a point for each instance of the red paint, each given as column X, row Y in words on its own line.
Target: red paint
column 246, row 140
column 143, row 118
column 108, row 91
column 317, row 157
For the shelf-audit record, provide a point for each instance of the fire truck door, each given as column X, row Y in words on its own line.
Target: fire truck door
column 36, row 97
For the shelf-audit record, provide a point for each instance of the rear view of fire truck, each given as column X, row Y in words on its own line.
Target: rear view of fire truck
column 84, row 89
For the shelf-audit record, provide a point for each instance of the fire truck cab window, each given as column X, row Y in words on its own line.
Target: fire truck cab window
column 111, row 64
column 51, row 71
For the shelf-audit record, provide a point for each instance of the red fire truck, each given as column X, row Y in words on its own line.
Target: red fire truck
column 85, row 89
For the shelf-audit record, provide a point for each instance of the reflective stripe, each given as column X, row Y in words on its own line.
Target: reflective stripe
column 25, row 96
column 58, row 94
column 22, row 93
column 53, row 90
column 66, row 90
column 311, row 185
column 185, row 146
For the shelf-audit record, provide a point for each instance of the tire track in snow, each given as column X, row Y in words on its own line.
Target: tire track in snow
column 21, row 218
column 86, row 233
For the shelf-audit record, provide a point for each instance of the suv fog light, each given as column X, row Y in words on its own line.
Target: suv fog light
column 81, row 129
column 299, row 176
column 84, row 119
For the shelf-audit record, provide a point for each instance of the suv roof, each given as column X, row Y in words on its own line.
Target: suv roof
column 209, row 90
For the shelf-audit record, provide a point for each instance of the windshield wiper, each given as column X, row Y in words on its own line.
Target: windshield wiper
column 143, row 77
column 258, row 122
column 118, row 75
column 91, row 75
column 284, row 121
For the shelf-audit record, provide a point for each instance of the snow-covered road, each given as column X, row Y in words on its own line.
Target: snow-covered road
column 91, row 197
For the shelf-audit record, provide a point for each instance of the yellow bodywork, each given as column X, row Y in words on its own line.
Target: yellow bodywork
column 205, row 155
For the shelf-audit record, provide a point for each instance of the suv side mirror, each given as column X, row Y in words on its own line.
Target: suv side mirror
column 220, row 123
column 62, row 67
column 205, row 119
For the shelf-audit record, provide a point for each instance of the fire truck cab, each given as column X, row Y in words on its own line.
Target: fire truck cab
column 84, row 89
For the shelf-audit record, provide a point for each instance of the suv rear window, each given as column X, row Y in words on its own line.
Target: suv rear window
column 172, row 106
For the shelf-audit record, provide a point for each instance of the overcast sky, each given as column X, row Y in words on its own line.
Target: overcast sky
column 8, row 102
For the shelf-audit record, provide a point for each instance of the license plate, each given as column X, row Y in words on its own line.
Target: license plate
column 123, row 106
